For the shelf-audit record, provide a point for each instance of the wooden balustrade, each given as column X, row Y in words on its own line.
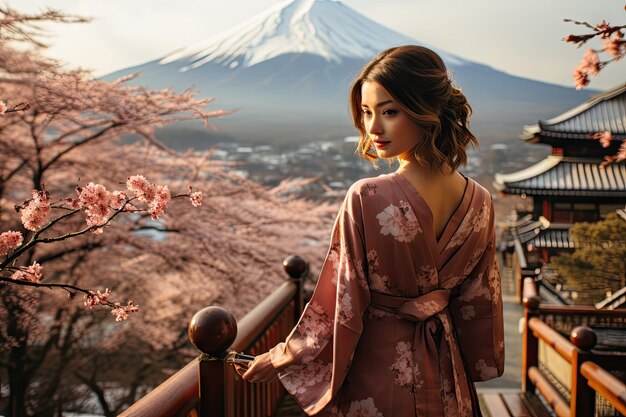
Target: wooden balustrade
column 208, row 386
column 589, row 368
column 605, row 384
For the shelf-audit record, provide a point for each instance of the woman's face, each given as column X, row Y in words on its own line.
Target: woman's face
column 394, row 133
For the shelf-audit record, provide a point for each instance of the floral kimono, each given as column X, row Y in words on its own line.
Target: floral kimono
column 401, row 323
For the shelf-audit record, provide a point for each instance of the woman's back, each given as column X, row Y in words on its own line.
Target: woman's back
column 442, row 194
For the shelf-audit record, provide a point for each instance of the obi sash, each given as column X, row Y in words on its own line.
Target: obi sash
column 435, row 350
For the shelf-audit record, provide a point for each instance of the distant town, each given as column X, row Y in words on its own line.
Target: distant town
column 334, row 165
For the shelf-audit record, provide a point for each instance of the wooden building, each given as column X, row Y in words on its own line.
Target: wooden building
column 569, row 185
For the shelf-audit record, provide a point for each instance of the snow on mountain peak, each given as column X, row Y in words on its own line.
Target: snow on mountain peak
column 326, row 28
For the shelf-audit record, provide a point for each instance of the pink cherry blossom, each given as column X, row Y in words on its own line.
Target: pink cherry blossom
column 195, row 197
column 93, row 298
column 141, row 187
column 621, row 153
column 615, row 46
column 580, row 78
column 589, row 65
column 35, row 210
column 159, row 203
column 591, row 62
column 33, row 273
column 94, row 199
column 604, row 137
column 155, row 196
column 118, row 198
column 121, row 312
column 10, row 240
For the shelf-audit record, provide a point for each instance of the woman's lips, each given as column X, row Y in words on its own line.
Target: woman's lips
column 381, row 143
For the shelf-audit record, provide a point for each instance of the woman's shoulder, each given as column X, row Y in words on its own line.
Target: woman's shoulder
column 481, row 193
column 370, row 194
column 369, row 187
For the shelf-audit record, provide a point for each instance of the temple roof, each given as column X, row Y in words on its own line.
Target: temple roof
column 566, row 176
column 603, row 112
column 539, row 233
column 553, row 237
column 522, row 231
column 616, row 300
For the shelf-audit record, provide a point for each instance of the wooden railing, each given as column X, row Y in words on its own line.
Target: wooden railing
column 208, row 386
column 571, row 373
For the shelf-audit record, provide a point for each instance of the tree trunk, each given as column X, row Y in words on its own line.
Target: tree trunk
column 17, row 385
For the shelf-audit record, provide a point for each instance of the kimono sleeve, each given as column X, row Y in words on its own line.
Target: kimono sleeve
column 315, row 358
column 478, row 315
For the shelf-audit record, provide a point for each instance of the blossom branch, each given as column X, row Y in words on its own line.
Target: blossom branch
column 101, row 207
column 34, row 239
column 22, row 27
column 614, row 45
column 20, row 107
column 91, row 298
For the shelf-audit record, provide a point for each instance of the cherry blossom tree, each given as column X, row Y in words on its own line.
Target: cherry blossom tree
column 614, row 46
column 66, row 161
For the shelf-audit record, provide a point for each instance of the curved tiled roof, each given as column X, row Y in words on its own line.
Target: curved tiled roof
column 553, row 238
column 604, row 112
column 566, row 176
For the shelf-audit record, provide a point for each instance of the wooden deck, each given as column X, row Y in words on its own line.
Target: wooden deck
column 511, row 403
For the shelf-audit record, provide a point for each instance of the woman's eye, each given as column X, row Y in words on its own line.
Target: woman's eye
column 366, row 113
column 390, row 112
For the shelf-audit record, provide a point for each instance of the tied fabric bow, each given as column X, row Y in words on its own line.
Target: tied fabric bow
column 434, row 349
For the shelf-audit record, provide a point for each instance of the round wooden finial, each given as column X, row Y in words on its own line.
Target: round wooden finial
column 532, row 302
column 212, row 330
column 583, row 337
column 295, row 266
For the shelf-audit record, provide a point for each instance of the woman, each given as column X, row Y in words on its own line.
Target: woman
column 407, row 311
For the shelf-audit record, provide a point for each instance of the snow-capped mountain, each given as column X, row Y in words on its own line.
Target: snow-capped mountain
column 288, row 71
column 326, row 28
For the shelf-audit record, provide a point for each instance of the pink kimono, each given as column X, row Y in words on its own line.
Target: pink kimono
column 400, row 323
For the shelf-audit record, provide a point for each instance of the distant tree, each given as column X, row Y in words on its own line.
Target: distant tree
column 599, row 261
column 67, row 132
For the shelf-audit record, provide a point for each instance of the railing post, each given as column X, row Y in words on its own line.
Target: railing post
column 583, row 398
column 212, row 331
column 530, row 348
column 297, row 268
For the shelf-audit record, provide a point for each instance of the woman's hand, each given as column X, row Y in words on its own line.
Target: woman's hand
column 260, row 370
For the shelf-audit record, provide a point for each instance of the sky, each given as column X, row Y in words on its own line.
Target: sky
column 520, row 37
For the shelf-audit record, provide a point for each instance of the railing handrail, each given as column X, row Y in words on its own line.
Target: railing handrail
column 530, row 290
column 571, row 309
column 179, row 393
column 587, row 376
column 605, row 384
column 552, row 338
column 550, row 394
column 170, row 398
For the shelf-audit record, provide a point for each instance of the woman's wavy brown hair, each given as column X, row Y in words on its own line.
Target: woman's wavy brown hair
column 417, row 80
